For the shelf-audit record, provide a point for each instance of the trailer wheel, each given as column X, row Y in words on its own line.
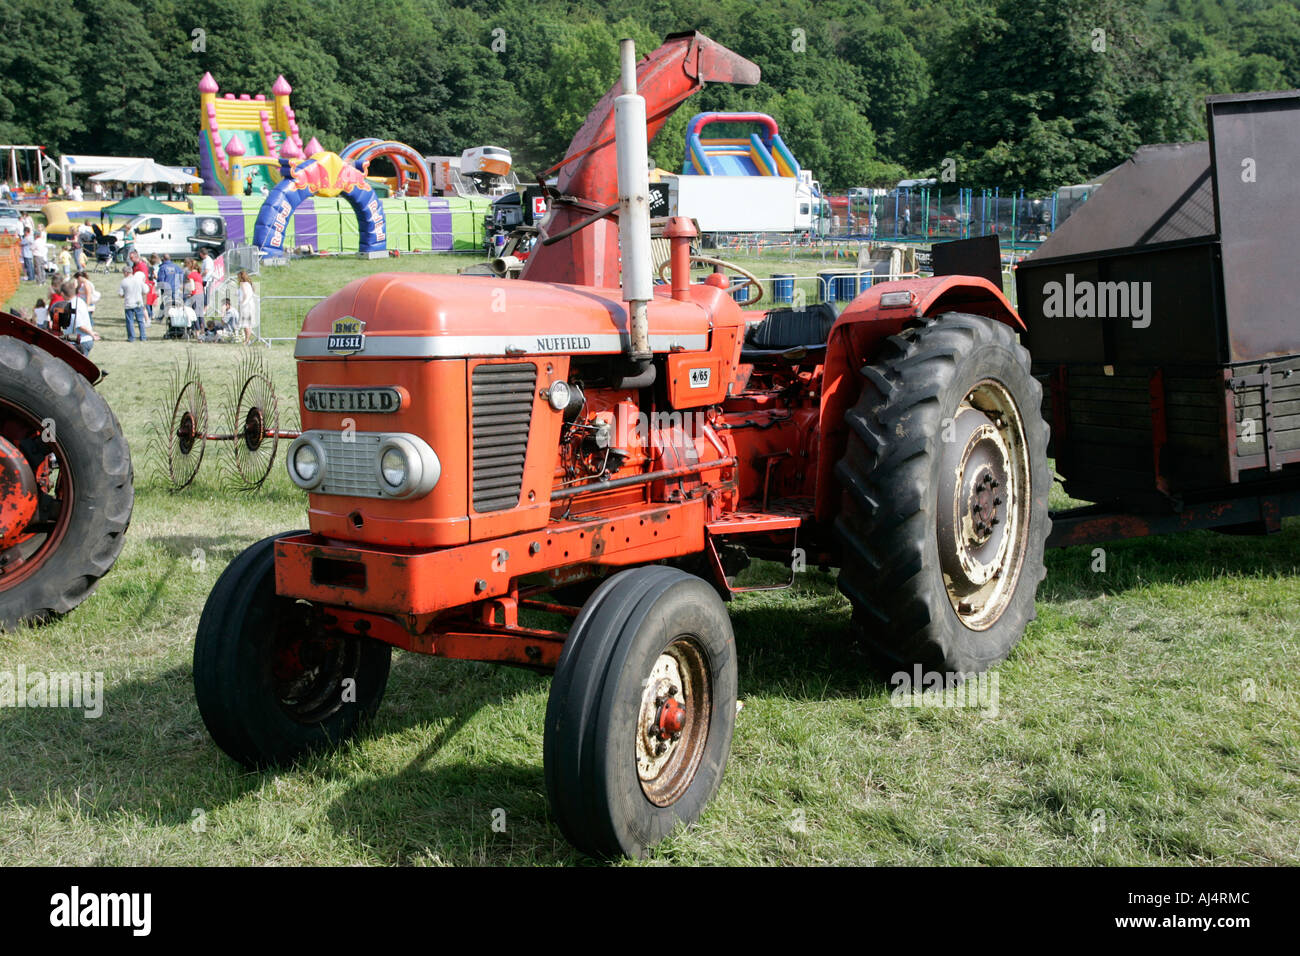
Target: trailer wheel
column 271, row 685
column 641, row 711
column 68, row 494
column 945, row 477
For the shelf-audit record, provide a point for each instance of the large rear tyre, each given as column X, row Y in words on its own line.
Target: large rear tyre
column 641, row 711
column 271, row 685
column 68, row 446
column 944, row 516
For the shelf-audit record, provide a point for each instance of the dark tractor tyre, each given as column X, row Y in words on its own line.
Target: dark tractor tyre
column 270, row 682
column 944, row 516
column 78, row 457
column 641, row 711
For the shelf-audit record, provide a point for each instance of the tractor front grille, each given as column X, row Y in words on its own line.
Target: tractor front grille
column 502, row 410
column 349, row 463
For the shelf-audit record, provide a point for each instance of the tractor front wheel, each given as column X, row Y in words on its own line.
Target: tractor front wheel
column 641, row 711
column 270, row 682
column 944, row 514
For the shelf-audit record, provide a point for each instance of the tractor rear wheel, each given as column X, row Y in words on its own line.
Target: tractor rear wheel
column 67, row 488
column 271, row 684
column 944, row 514
column 641, row 711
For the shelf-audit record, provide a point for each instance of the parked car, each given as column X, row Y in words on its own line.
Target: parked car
column 9, row 221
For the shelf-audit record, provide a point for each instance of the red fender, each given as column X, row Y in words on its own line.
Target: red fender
column 13, row 326
column 855, row 339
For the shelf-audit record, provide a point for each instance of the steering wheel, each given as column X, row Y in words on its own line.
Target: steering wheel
column 709, row 260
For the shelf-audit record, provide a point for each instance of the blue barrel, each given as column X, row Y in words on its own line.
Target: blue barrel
column 782, row 289
column 864, row 281
column 846, row 287
column 737, row 293
column 826, row 283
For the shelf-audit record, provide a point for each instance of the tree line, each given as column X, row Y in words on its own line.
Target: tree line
column 1029, row 94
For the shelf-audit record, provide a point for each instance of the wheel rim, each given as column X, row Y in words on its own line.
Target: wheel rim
column 308, row 668
column 57, row 498
column 672, row 726
column 257, row 424
column 185, row 434
column 984, row 504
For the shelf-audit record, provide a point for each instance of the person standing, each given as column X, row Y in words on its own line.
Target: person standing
column 170, row 277
column 29, row 268
column 65, row 261
column 40, row 251
column 209, row 269
column 248, row 185
column 132, row 292
column 87, row 290
column 193, row 286
column 248, row 306
column 81, row 329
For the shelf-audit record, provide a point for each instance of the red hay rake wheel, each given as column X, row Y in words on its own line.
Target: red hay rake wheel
column 252, row 422
column 177, row 439
column 250, row 426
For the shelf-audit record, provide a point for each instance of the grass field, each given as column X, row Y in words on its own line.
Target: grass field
column 1150, row 715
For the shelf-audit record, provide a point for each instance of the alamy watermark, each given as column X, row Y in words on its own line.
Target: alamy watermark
column 76, row 690
column 922, row 688
column 1085, row 299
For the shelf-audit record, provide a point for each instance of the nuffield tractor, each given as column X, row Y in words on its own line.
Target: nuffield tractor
column 475, row 447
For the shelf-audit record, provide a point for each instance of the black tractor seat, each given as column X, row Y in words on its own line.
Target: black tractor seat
column 789, row 334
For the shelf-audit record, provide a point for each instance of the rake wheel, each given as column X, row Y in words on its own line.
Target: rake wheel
column 178, row 437
column 253, row 419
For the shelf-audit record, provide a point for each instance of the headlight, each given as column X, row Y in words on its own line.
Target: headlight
column 393, row 468
column 306, row 463
column 559, row 395
column 407, row 467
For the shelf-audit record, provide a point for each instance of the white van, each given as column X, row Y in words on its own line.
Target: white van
column 179, row 235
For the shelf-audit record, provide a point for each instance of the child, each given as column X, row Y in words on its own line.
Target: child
column 65, row 261
column 42, row 315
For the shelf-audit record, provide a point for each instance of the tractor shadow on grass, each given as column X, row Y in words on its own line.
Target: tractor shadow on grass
column 475, row 791
column 147, row 755
column 1111, row 568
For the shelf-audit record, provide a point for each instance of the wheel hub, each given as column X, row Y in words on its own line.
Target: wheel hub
column 982, row 492
column 254, row 428
column 186, row 433
column 673, row 722
column 18, row 494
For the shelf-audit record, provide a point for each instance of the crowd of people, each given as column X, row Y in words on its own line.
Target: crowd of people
column 179, row 296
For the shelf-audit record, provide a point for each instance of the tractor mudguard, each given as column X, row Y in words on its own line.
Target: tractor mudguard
column 49, row 342
column 857, row 335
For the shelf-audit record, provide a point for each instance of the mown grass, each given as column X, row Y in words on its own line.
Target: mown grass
column 1149, row 716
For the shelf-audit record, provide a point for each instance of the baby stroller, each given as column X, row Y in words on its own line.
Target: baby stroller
column 105, row 250
column 182, row 322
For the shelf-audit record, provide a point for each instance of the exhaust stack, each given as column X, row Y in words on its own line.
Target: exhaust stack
column 631, row 149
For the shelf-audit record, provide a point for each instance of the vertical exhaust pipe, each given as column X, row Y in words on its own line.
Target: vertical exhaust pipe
column 631, row 150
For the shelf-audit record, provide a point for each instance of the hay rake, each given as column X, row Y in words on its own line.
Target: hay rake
column 249, row 427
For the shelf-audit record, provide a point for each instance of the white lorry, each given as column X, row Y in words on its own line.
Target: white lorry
column 746, row 203
column 179, row 235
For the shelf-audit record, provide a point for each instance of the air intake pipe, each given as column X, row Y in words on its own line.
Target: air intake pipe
column 632, row 149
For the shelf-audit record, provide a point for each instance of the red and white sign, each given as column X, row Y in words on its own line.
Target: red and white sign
column 539, row 206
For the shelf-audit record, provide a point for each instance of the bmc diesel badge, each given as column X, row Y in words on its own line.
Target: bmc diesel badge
column 347, row 336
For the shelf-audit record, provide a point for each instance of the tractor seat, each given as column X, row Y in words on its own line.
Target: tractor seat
column 784, row 329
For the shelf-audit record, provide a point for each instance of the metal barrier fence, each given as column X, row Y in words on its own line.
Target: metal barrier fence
column 242, row 257
column 931, row 212
column 280, row 317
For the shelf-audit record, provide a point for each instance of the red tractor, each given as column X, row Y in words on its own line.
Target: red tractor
column 66, row 490
column 474, row 447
